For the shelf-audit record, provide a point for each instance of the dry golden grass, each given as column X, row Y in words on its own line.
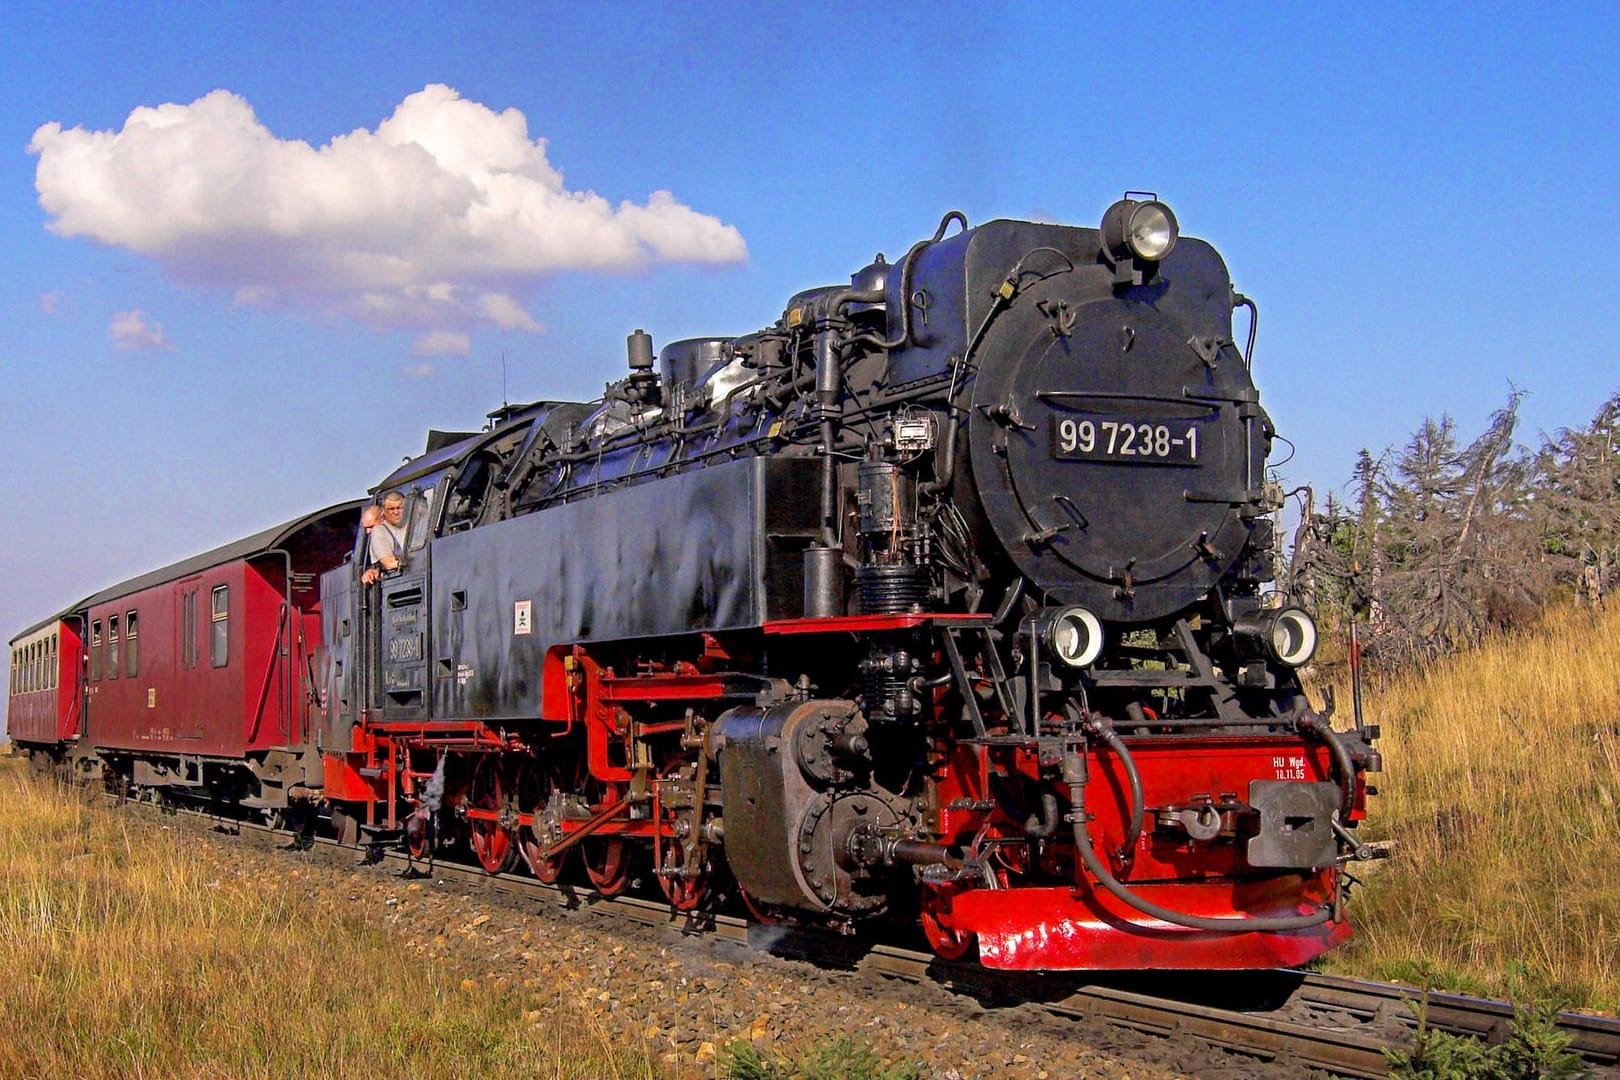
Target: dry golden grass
column 1502, row 787
column 139, row 950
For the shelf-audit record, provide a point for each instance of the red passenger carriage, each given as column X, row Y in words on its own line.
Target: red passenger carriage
column 196, row 678
column 43, row 714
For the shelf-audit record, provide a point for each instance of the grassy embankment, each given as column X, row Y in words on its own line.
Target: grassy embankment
column 1502, row 788
column 132, row 949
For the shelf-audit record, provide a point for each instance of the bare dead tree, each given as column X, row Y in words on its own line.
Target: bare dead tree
column 1442, row 543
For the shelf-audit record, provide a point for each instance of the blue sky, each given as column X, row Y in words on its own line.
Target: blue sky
column 210, row 328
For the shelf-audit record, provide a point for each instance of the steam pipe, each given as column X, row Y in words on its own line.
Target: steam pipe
column 904, row 338
column 945, row 465
column 1239, row 300
column 1044, row 823
column 791, row 390
column 829, row 384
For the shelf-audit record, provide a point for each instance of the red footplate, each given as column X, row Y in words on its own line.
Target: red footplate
column 1063, row 929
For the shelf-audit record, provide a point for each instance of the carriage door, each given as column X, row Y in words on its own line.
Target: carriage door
column 403, row 615
column 183, row 715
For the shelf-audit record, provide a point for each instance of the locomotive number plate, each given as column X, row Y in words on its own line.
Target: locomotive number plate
column 1123, row 440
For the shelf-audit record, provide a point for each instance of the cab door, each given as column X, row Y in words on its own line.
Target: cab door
column 404, row 635
column 404, row 613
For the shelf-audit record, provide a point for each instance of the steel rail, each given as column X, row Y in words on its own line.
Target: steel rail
column 1328, row 1022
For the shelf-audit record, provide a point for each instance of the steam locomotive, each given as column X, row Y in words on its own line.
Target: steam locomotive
column 942, row 599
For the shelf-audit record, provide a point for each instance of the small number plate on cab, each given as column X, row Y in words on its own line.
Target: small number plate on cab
column 1125, row 441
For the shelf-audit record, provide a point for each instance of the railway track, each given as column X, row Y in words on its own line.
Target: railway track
column 1295, row 1018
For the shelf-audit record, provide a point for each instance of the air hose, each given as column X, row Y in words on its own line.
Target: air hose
column 1075, row 775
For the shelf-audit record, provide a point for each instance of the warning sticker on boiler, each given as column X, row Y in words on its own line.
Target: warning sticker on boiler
column 522, row 620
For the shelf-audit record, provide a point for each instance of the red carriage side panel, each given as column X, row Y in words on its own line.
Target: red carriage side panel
column 187, row 686
column 43, row 706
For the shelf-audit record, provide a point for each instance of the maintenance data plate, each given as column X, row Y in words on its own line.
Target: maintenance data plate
column 1124, row 441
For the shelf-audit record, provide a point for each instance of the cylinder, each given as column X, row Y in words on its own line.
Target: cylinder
column 884, row 498
column 893, row 589
column 823, row 582
column 641, row 350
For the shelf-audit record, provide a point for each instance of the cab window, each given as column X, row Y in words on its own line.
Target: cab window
column 420, row 509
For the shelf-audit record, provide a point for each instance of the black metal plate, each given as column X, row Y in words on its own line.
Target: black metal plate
column 1296, row 824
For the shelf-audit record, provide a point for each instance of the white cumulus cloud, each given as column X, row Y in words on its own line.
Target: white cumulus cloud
column 443, row 343
column 436, row 221
column 420, row 371
column 131, row 331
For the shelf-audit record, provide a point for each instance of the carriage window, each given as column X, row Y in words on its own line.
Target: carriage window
column 112, row 646
column 95, row 650
column 219, row 650
column 132, row 660
column 51, row 660
column 188, row 630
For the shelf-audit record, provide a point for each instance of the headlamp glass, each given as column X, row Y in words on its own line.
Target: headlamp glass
column 1074, row 636
column 1151, row 231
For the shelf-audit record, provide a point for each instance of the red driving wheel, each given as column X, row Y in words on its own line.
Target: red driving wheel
column 947, row 942
column 684, row 894
column 491, row 841
column 607, row 858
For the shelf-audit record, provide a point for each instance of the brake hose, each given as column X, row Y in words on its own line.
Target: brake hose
column 1074, row 774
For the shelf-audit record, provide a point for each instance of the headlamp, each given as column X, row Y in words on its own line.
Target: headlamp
column 1287, row 636
column 1071, row 635
column 1145, row 230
